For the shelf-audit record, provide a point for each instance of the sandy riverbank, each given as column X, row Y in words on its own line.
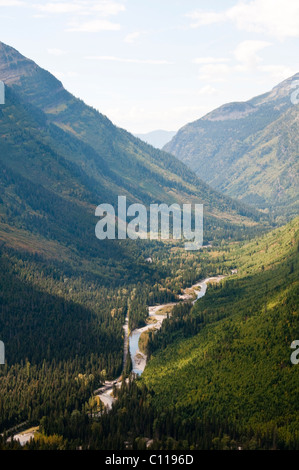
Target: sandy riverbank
column 139, row 359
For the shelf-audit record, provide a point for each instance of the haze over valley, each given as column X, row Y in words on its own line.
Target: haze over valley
column 116, row 334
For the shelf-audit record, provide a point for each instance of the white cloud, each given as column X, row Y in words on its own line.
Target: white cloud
column 209, row 60
column 108, row 8
column 214, row 72
column 56, row 52
column 207, row 90
column 247, row 60
column 59, row 7
column 277, row 18
column 130, row 38
column 204, row 18
column 186, row 93
column 247, row 53
column 129, row 61
column 103, row 8
column 98, row 11
column 278, row 72
column 93, row 26
column 11, row 3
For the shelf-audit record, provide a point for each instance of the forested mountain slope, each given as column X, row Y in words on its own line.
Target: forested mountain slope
column 64, row 294
column 73, row 158
column 220, row 374
column 236, row 371
column 248, row 150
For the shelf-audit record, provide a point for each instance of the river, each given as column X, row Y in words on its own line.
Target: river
column 139, row 359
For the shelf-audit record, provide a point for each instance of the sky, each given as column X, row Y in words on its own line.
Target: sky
column 157, row 64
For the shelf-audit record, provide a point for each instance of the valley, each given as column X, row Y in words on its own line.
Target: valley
column 154, row 320
column 135, row 344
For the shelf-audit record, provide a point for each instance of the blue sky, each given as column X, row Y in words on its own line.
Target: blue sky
column 150, row 64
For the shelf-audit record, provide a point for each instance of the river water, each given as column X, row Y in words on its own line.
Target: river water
column 138, row 358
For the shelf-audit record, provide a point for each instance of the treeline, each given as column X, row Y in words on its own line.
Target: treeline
column 53, row 312
column 133, row 423
column 235, row 366
column 141, row 298
column 220, row 375
column 178, row 325
column 37, row 325
column 29, row 391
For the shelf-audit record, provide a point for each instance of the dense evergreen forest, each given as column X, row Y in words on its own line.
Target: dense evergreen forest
column 63, row 329
column 65, row 295
column 219, row 377
column 232, row 350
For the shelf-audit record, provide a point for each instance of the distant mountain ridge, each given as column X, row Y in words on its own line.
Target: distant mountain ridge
column 248, row 150
column 60, row 158
column 69, row 151
column 157, row 138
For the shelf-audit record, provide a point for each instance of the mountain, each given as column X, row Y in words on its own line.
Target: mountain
column 248, row 150
column 157, row 138
column 60, row 159
column 65, row 295
column 226, row 368
column 221, row 375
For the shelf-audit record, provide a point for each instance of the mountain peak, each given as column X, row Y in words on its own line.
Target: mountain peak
column 249, row 150
column 13, row 65
column 281, row 91
column 279, row 95
column 38, row 85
